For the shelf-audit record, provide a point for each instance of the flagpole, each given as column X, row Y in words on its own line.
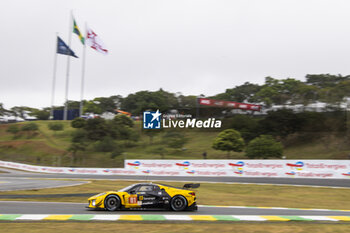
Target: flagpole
column 54, row 78
column 83, row 75
column 68, row 65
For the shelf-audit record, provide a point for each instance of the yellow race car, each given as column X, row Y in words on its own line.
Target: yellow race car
column 147, row 195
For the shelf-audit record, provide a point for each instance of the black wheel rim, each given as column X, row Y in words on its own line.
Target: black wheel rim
column 112, row 203
column 178, row 203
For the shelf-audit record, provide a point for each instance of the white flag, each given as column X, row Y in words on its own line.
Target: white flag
column 95, row 42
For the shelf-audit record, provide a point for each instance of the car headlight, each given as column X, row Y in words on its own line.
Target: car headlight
column 93, row 202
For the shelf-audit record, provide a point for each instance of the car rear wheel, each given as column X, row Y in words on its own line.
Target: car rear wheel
column 178, row 203
column 112, row 202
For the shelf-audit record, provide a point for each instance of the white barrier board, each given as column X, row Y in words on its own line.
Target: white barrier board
column 233, row 168
column 244, row 168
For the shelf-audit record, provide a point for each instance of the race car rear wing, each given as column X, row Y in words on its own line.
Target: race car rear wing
column 191, row 186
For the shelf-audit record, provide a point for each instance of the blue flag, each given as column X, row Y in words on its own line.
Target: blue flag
column 62, row 48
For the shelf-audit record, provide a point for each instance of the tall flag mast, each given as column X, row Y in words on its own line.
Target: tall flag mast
column 94, row 42
column 68, row 66
column 61, row 48
column 76, row 30
column 54, row 79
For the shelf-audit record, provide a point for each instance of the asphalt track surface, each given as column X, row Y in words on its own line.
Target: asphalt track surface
column 26, row 180
column 277, row 181
column 23, row 207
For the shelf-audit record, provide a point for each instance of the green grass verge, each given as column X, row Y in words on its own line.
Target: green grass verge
column 87, row 227
column 50, row 148
column 222, row 194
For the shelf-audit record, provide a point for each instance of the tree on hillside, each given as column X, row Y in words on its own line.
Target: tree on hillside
column 264, row 147
column 229, row 140
column 56, row 126
column 325, row 80
column 242, row 93
column 123, row 120
column 282, row 91
column 145, row 100
column 247, row 125
column 41, row 114
column 280, row 123
column 96, row 129
column 31, row 129
column 78, row 123
column 13, row 129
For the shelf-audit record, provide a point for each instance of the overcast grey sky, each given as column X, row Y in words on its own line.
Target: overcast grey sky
column 189, row 46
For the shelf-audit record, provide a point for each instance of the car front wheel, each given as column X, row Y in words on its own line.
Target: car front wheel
column 178, row 203
column 112, row 202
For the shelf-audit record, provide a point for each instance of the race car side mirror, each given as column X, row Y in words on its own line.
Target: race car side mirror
column 132, row 192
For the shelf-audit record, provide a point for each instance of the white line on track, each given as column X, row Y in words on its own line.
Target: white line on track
column 44, row 202
column 205, row 206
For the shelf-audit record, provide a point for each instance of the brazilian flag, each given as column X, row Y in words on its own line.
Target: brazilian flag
column 77, row 31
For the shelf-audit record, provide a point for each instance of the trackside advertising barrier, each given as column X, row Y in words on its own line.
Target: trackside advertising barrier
column 67, row 170
column 243, row 168
column 323, row 169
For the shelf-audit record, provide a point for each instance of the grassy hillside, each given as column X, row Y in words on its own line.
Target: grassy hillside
column 50, row 148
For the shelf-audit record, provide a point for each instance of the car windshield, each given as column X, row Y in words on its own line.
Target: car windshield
column 127, row 188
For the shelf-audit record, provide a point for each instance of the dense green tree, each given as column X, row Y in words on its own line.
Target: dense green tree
column 78, row 123
column 146, row 100
column 122, row 120
column 242, row 93
column 187, row 102
column 30, row 129
column 229, row 140
column 96, row 129
column 264, row 147
column 55, row 126
column 106, row 144
column 282, row 91
column 325, row 80
column 247, row 125
column 79, row 136
column 280, row 123
column 41, row 114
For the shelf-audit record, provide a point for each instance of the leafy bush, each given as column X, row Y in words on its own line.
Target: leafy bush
column 229, row 140
column 123, row 120
column 264, row 147
column 56, row 126
column 107, row 144
column 30, row 127
column 78, row 123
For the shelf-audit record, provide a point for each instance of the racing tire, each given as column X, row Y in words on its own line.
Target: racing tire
column 178, row 203
column 112, row 203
